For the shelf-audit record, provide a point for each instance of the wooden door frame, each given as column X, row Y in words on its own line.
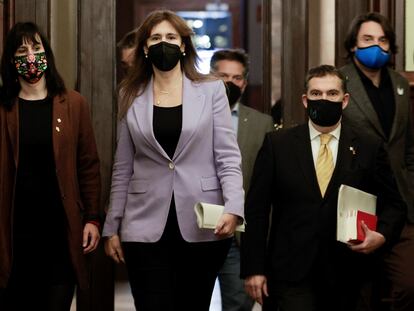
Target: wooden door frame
column 96, row 81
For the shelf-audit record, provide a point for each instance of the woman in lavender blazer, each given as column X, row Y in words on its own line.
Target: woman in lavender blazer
column 176, row 147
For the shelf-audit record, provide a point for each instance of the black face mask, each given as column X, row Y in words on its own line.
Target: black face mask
column 324, row 112
column 164, row 55
column 233, row 93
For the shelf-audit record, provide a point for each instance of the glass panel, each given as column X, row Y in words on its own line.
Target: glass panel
column 212, row 31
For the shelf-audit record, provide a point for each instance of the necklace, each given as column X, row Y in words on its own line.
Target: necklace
column 159, row 98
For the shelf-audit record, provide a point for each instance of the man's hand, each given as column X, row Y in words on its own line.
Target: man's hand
column 256, row 287
column 373, row 240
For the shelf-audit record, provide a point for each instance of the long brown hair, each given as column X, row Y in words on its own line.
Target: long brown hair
column 352, row 35
column 141, row 72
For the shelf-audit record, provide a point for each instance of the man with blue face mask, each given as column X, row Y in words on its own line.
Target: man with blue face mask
column 380, row 106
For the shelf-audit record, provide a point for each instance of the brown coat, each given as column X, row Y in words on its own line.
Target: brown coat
column 77, row 170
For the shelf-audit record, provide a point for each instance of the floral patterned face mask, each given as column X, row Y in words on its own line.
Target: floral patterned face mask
column 31, row 67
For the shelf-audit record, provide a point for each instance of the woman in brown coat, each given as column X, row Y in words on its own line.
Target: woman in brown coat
column 49, row 179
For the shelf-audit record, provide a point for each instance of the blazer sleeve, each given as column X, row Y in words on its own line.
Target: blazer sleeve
column 391, row 209
column 409, row 151
column 258, row 206
column 88, row 167
column 227, row 154
column 121, row 175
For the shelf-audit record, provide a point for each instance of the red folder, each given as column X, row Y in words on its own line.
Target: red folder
column 369, row 219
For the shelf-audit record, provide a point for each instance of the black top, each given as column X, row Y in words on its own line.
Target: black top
column 382, row 98
column 40, row 248
column 167, row 123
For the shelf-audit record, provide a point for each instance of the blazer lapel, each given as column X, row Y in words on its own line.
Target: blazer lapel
column 303, row 151
column 360, row 97
column 243, row 127
column 399, row 92
column 346, row 153
column 13, row 129
column 143, row 110
column 59, row 125
column 193, row 105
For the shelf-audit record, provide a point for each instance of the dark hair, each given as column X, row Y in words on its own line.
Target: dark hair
column 11, row 86
column 141, row 71
column 351, row 37
column 128, row 40
column 237, row 55
column 322, row 71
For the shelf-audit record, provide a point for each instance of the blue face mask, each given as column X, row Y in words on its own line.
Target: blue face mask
column 372, row 56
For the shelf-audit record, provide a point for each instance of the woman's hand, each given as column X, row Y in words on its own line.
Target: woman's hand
column 91, row 238
column 226, row 225
column 113, row 249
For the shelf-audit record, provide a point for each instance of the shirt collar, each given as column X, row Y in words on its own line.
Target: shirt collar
column 385, row 77
column 314, row 133
column 235, row 109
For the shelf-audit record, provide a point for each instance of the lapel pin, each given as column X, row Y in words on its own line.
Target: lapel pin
column 352, row 150
column 59, row 120
column 245, row 120
column 400, row 91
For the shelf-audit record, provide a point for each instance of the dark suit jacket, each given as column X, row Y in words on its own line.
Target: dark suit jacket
column 400, row 144
column 303, row 224
column 252, row 128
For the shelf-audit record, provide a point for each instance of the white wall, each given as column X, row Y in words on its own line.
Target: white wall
column 409, row 35
column 321, row 32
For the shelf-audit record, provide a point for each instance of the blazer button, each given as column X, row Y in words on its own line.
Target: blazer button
column 171, row 165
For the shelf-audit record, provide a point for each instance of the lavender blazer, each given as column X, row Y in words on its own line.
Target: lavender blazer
column 206, row 167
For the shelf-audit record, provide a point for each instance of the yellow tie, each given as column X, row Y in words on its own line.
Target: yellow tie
column 324, row 163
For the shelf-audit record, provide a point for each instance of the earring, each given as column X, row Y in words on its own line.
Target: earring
column 183, row 53
column 146, row 55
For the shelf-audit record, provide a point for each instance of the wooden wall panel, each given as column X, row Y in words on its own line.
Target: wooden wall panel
column 96, row 81
column 267, row 56
column 2, row 23
column 37, row 11
column 6, row 20
column 346, row 10
column 294, row 59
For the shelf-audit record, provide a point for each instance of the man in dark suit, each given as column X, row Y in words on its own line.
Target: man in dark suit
column 299, row 171
column 232, row 66
column 380, row 106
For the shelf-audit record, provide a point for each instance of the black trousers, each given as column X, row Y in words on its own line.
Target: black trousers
column 173, row 274
column 335, row 284
column 45, row 297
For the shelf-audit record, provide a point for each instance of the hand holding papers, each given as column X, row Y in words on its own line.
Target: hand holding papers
column 355, row 206
column 209, row 214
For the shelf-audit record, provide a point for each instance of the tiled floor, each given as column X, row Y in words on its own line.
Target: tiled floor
column 124, row 301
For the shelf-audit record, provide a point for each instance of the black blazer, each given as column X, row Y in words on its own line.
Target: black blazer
column 303, row 223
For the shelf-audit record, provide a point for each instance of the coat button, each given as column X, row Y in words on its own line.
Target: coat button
column 171, row 165
column 57, row 129
column 59, row 120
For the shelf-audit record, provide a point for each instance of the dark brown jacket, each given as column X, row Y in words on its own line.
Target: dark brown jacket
column 77, row 170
